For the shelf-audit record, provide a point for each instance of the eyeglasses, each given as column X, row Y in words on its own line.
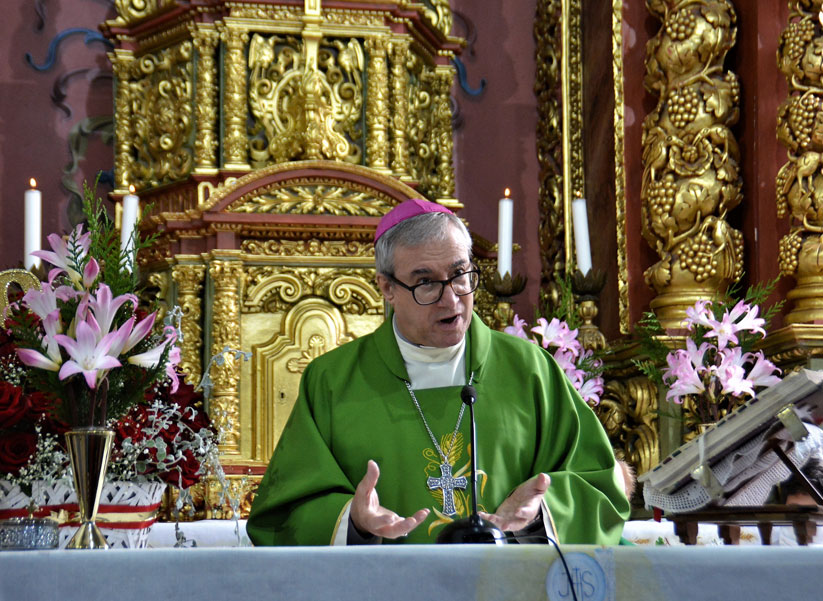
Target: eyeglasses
column 428, row 293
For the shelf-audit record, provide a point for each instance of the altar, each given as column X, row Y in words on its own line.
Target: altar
column 470, row 572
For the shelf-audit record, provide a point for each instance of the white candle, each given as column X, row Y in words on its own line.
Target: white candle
column 582, row 246
column 128, row 219
column 33, row 225
column 505, row 222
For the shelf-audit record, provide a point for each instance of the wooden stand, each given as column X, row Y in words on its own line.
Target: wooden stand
column 804, row 519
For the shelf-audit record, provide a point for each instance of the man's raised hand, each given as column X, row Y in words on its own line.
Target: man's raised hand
column 522, row 506
column 368, row 515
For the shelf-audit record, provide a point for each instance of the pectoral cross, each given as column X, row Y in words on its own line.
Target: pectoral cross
column 447, row 483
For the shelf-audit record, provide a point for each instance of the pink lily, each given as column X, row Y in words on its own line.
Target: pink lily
column 724, row 330
column 699, row 314
column 65, row 252
column 557, row 333
column 41, row 302
column 89, row 353
column 517, row 329
column 762, row 372
column 751, row 322
column 105, row 307
column 591, row 390
column 90, row 273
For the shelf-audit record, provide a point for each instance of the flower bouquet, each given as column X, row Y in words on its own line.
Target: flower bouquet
column 581, row 366
column 717, row 371
column 81, row 352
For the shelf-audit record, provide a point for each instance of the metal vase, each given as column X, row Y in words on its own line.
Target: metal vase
column 89, row 450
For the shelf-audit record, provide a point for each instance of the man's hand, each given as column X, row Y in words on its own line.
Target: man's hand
column 367, row 514
column 521, row 507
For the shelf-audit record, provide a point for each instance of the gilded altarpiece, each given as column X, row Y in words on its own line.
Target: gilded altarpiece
column 269, row 138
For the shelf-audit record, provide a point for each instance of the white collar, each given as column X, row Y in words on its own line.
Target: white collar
column 417, row 353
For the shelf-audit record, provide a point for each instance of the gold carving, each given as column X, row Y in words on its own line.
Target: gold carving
column 308, row 248
column 273, row 289
column 308, row 329
column 421, row 125
column 300, row 111
column 306, row 197
column 189, row 280
column 235, row 145
column 549, row 149
column 628, row 412
column 135, row 10
column 23, row 278
column 399, row 51
column 619, row 175
column 440, row 15
column 377, row 110
column 224, row 406
column 162, row 118
column 690, row 157
column 443, row 140
column 799, row 181
column 123, row 64
column 205, row 147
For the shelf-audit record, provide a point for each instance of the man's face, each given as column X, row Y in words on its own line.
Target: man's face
column 445, row 322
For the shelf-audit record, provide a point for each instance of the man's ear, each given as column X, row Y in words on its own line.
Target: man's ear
column 386, row 287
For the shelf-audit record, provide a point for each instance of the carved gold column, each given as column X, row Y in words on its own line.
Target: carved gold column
column 122, row 63
column 377, row 105
column 443, row 141
column 399, row 51
column 235, row 143
column 206, row 39
column 799, row 181
column 224, row 406
column 189, row 280
column 549, row 147
column 690, row 156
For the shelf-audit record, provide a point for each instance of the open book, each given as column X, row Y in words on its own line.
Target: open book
column 802, row 390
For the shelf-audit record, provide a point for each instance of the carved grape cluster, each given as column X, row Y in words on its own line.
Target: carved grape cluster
column 698, row 256
column 661, row 197
column 734, row 86
column 802, row 110
column 788, row 250
column 681, row 25
column 684, row 105
column 795, row 37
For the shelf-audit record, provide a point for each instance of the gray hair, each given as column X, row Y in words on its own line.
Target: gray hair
column 416, row 231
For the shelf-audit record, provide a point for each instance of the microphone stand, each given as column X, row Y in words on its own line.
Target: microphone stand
column 472, row 529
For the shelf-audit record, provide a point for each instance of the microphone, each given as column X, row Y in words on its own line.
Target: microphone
column 472, row 529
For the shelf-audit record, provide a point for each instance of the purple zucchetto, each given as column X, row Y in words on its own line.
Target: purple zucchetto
column 406, row 210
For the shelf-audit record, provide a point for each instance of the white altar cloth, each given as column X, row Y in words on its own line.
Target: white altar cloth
column 455, row 573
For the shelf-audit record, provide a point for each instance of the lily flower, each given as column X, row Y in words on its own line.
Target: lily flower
column 557, row 333
column 517, row 329
column 66, row 254
column 89, row 354
column 762, row 372
column 105, row 306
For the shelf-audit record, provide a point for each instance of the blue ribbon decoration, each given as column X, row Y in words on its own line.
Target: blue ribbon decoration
column 91, row 36
column 464, row 84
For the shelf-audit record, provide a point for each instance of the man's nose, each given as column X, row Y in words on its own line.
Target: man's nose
column 448, row 298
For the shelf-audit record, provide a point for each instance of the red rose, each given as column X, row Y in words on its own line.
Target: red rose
column 42, row 409
column 131, row 425
column 184, row 473
column 16, row 448
column 13, row 404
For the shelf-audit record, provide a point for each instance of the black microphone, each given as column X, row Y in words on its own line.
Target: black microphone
column 472, row 529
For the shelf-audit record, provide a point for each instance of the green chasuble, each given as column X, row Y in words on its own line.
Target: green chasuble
column 354, row 406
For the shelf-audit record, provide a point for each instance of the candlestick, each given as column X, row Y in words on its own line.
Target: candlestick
column 128, row 220
column 505, row 221
column 33, row 225
column 582, row 246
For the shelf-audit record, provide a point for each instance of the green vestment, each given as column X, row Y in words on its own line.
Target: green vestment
column 354, row 406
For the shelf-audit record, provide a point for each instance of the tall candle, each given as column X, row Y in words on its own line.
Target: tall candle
column 33, row 225
column 582, row 246
column 505, row 222
column 131, row 206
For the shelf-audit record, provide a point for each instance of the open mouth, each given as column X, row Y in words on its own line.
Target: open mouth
column 449, row 320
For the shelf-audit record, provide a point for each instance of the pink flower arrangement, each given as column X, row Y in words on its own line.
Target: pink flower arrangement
column 579, row 365
column 82, row 336
column 714, row 372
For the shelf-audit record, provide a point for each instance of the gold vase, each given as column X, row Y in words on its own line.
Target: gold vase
column 89, row 453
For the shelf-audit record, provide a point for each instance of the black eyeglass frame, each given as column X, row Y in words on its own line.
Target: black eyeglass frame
column 442, row 283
